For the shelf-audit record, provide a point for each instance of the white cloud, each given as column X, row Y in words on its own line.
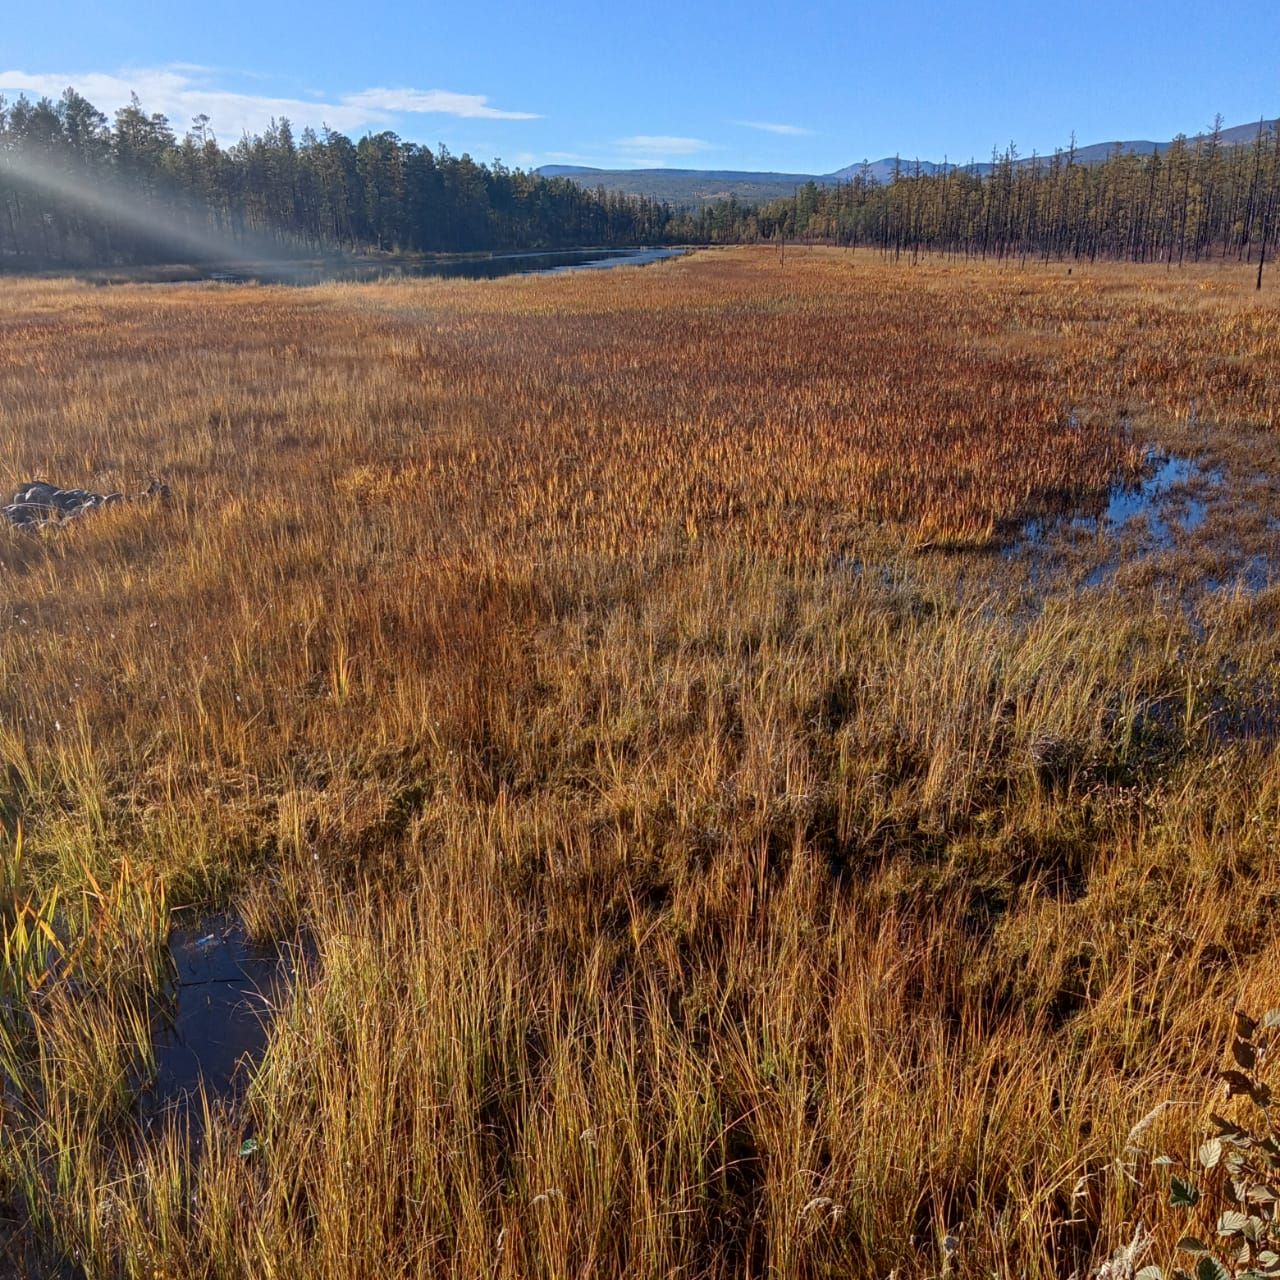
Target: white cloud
column 179, row 95
column 787, row 130
column 184, row 90
column 663, row 144
column 469, row 106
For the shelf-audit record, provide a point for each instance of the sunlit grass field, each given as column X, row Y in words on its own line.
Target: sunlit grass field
column 721, row 852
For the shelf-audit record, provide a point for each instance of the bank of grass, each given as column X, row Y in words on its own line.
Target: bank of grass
column 717, row 862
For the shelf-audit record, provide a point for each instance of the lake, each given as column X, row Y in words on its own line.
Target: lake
column 465, row 266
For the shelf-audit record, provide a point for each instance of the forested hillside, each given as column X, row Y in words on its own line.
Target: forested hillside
column 76, row 189
column 693, row 188
column 1193, row 200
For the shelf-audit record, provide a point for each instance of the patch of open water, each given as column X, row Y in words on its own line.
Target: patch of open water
column 1177, row 498
column 1150, row 499
column 223, row 992
column 488, row 266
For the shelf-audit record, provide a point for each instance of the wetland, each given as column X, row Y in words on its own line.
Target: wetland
column 735, row 767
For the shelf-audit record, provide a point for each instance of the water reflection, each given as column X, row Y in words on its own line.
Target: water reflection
column 1173, row 487
column 224, row 989
column 472, row 267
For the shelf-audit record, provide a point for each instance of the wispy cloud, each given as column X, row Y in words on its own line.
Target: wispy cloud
column 639, row 151
column 182, row 91
column 469, row 106
column 569, row 157
column 663, row 144
column 787, row 130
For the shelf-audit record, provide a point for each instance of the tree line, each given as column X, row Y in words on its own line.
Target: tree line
column 1198, row 199
column 79, row 189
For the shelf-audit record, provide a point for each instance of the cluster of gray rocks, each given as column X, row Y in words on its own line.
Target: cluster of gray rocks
column 37, row 502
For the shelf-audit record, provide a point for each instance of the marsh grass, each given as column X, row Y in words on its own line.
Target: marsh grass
column 702, row 880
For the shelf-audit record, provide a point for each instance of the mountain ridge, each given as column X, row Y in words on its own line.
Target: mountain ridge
column 701, row 186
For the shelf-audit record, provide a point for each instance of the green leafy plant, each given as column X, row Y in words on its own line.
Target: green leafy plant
column 1231, row 1190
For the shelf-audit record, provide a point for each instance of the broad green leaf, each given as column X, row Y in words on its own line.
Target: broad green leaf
column 1209, row 1268
column 1236, row 1082
column 1242, row 1051
column 1210, row 1153
column 1182, row 1194
column 1245, row 1025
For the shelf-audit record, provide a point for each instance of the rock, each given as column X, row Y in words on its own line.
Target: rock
column 37, row 502
column 25, row 513
column 40, row 491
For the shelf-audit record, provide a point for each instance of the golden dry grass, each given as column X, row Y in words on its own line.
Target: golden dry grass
column 703, row 882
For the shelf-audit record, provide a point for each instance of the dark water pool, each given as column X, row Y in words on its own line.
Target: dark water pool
column 470, row 267
column 224, row 989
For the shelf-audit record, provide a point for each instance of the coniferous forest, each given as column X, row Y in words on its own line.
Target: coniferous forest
column 274, row 193
column 1198, row 199
column 79, row 189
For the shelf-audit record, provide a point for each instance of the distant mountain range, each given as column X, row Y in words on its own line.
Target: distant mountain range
column 700, row 186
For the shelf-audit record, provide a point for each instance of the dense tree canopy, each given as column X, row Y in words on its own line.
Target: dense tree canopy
column 76, row 188
column 1194, row 200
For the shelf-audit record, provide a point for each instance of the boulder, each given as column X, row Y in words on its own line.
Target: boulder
column 37, row 502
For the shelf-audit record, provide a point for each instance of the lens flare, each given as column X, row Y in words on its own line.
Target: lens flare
column 173, row 224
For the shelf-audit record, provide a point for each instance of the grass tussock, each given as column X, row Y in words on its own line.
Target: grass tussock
column 701, row 881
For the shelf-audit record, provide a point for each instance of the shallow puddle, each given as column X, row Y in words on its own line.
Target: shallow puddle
column 1151, row 498
column 1169, row 499
column 223, row 992
column 1180, row 506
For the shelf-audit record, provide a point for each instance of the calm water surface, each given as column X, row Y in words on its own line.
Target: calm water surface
column 224, row 991
column 472, row 267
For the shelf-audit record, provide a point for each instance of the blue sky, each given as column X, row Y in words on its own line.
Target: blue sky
column 803, row 88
